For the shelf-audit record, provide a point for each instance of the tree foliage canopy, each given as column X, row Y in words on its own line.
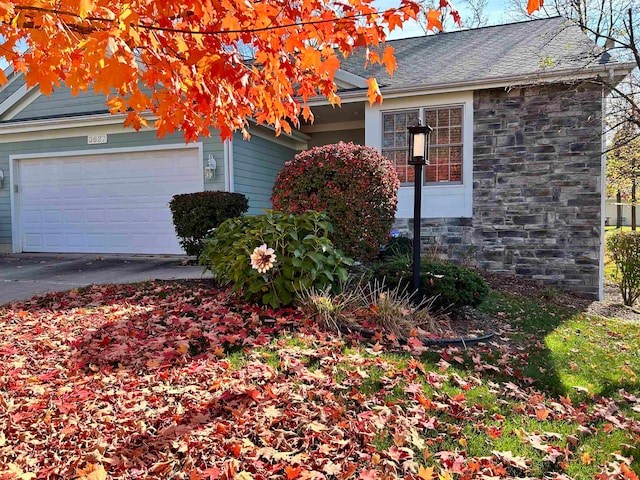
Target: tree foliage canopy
column 183, row 60
column 614, row 25
column 623, row 161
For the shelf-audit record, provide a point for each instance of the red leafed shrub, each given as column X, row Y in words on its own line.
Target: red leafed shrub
column 354, row 184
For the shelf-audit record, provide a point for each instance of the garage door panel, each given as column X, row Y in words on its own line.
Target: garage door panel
column 116, row 203
column 73, row 216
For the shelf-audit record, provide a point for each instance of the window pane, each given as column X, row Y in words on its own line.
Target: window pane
column 387, row 140
column 431, row 173
column 445, row 154
column 443, row 118
column 456, row 116
column 455, row 155
column 388, row 123
column 431, row 117
column 456, row 173
column 455, row 135
column 412, row 117
column 411, row 173
column 399, row 161
column 443, row 136
column 395, row 140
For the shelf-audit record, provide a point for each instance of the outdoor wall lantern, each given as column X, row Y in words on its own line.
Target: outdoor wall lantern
column 419, row 137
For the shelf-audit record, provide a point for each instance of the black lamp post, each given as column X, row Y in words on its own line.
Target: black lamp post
column 419, row 136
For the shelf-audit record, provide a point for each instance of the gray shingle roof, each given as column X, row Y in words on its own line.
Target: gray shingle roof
column 489, row 54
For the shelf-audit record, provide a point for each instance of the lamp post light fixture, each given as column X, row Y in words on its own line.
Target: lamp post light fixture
column 419, row 136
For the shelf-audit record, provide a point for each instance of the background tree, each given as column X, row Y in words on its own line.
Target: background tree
column 184, row 61
column 474, row 17
column 615, row 26
column 623, row 169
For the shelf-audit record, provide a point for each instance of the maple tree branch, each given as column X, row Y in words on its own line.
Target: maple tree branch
column 255, row 30
column 82, row 29
column 632, row 40
column 63, row 12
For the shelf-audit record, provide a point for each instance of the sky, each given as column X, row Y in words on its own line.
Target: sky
column 495, row 11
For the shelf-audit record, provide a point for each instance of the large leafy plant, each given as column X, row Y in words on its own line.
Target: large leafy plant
column 354, row 184
column 268, row 258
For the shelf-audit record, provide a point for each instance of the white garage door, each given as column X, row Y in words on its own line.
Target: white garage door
column 107, row 203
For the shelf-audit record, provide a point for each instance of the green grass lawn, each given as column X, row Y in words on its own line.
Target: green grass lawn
column 613, row 228
column 180, row 381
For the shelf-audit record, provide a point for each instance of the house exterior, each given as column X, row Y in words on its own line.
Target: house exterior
column 625, row 212
column 515, row 182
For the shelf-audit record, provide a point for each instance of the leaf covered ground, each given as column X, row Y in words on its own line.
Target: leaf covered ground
column 181, row 381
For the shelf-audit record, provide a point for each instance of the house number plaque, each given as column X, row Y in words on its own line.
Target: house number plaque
column 95, row 139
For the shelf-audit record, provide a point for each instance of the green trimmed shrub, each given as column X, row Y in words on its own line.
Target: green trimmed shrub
column 269, row 258
column 195, row 214
column 397, row 247
column 450, row 284
column 355, row 185
column 624, row 249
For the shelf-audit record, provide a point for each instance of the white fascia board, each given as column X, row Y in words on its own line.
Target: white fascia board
column 620, row 70
column 112, row 124
column 65, row 127
column 20, row 100
column 15, row 99
column 60, row 123
column 350, row 79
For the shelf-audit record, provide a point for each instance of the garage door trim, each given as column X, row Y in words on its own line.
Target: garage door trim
column 14, row 174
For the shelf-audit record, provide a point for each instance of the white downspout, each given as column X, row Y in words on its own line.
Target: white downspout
column 603, row 199
column 228, row 161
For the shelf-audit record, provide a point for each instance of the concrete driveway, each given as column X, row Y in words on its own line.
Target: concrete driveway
column 27, row 274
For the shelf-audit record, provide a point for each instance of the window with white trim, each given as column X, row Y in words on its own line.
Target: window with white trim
column 445, row 152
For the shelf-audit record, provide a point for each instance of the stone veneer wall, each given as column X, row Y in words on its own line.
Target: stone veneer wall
column 536, row 188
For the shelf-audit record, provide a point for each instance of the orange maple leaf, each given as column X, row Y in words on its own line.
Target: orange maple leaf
column 373, row 93
column 85, row 7
column 389, row 60
column 533, row 5
column 586, row 458
column 425, row 402
column 292, row 472
column 433, row 20
column 627, row 472
column 425, row 473
column 393, row 19
column 542, row 413
column 93, row 471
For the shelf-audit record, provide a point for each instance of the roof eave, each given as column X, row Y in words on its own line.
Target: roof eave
column 615, row 71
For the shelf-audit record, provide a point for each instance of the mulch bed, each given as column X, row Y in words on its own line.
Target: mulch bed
column 611, row 306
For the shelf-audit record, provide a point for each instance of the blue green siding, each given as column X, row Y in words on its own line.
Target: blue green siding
column 10, row 88
column 211, row 145
column 326, row 138
column 62, row 103
column 255, row 165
